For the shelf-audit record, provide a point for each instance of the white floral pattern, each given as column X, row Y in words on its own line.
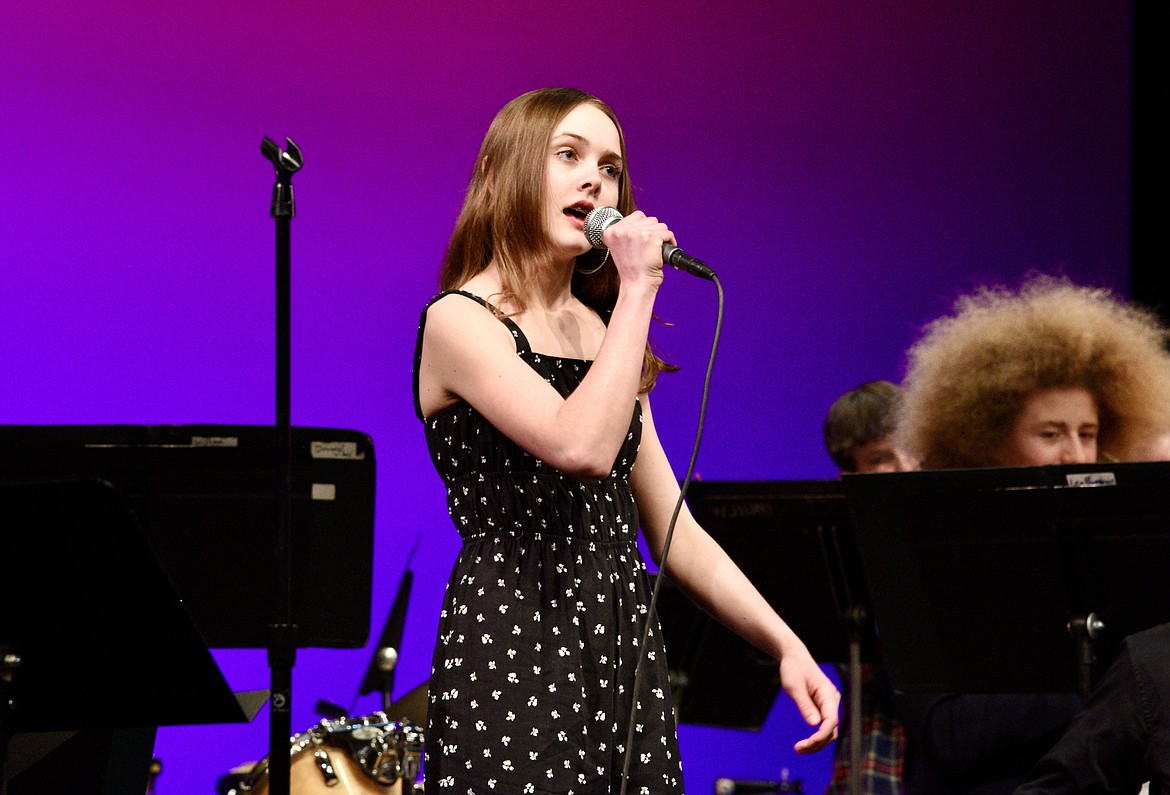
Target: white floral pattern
column 538, row 636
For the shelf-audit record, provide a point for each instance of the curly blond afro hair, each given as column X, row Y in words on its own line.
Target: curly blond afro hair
column 969, row 374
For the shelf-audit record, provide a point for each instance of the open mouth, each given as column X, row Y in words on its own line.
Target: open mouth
column 578, row 210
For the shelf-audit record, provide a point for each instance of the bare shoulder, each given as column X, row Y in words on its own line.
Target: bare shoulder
column 461, row 322
column 463, row 345
column 454, row 305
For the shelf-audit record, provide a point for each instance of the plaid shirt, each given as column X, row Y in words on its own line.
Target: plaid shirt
column 883, row 742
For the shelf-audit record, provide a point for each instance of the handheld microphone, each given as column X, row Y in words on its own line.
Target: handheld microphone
column 601, row 218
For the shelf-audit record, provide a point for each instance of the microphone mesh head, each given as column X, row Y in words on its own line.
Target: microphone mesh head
column 597, row 221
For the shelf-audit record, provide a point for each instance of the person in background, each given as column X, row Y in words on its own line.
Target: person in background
column 859, row 437
column 981, row 381
column 1053, row 373
column 532, row 380
column 859, row 430
column 1121, row 739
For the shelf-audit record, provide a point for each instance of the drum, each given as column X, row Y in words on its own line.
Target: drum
column 356, row 756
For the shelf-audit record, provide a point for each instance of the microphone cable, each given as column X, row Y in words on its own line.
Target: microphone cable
column 650, row 614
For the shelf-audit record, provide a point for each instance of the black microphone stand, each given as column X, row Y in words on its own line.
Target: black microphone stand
column 282, row 634
column 10, row 663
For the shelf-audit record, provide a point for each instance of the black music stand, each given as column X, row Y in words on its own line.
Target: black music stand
column 792, row 540
column 975, row 575
column 203, row 495
column 95, row 637
column 716, row 678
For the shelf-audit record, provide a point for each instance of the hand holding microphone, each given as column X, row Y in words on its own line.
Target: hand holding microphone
column 601, row 218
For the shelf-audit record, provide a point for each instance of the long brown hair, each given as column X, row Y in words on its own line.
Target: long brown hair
column 502, row 219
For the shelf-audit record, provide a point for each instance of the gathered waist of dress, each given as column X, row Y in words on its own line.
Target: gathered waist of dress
column 582, row 544
column 551, row 505
column 540, row 475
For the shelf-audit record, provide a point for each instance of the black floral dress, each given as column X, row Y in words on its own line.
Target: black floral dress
column 532, row 679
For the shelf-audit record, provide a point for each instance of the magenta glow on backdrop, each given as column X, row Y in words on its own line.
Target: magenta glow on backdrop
column 847, row 168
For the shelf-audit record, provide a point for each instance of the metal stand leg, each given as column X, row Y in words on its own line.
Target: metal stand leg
column 1085, row 629
column 856, row 774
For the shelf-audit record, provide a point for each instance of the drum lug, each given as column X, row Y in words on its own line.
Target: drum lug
column 325, row 765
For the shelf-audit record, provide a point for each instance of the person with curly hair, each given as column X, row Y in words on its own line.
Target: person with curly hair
column 978, row 379
column 1053, row 373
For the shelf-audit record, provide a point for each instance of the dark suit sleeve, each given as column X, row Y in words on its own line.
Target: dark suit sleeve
column 969, row 734
column 979, row 743
column 1119, row 740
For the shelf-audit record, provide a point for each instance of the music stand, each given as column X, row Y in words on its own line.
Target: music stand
column 203, row 494
column 975, row 575
column 792, row 541
column 97, row 637
column 716, row 678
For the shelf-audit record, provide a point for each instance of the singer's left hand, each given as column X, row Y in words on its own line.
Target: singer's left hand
column 815, row 697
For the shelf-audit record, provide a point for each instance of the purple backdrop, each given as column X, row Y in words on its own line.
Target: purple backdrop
column 848, row 168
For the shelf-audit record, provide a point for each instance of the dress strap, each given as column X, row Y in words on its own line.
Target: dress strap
column 522, row 346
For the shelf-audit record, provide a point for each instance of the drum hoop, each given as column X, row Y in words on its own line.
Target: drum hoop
column 407, row 750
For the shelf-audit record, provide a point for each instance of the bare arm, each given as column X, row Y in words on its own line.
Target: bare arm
column 469, row 355
column 698, row 565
